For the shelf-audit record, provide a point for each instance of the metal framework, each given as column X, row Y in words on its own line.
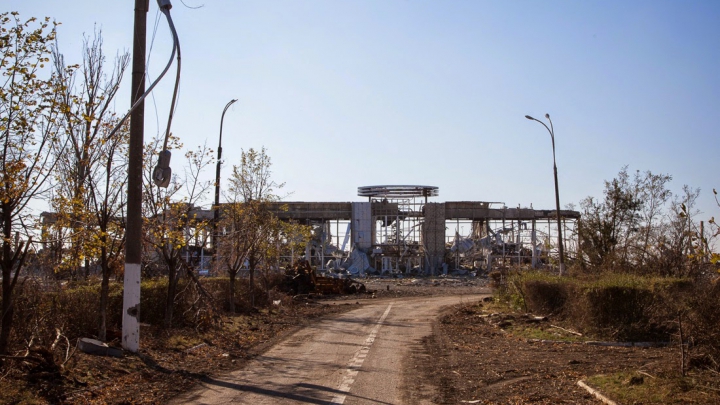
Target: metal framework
column 397, row 218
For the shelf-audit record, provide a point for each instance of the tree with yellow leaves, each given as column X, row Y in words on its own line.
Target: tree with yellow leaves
column 250, row 232
column 29, row 110
column 173, row 220
column 91, row 169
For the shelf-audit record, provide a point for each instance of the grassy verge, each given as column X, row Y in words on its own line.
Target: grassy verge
column 641, row 388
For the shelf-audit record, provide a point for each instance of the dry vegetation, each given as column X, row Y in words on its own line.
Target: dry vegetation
column 204, row 342
column 529, row 344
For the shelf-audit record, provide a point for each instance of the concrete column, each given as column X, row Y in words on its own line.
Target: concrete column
column 534, row 246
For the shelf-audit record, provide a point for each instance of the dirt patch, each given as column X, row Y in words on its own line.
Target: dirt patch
column 471, row 358
column 419, row 287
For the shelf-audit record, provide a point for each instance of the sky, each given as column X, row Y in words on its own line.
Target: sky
column 353, row 93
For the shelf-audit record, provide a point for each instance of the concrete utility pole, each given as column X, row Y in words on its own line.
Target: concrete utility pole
column 133, row 229
column 561, row 248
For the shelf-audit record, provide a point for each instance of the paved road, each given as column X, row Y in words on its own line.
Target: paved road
column 352, row 358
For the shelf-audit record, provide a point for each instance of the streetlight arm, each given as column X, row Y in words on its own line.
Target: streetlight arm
column 550, row 130
column 222, row 118
column 552, row 134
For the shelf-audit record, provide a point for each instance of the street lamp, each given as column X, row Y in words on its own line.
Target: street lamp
column 216, row 216
column 557, row 193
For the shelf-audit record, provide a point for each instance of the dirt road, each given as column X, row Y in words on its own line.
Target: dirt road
column 353, row 358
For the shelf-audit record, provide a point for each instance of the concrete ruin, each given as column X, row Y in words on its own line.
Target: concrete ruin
column 400, row 231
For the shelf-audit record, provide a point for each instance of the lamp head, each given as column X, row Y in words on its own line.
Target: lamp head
column 529, row 117
column 547, row 115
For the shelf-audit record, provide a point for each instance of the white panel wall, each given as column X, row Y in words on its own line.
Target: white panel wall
column 362, row 225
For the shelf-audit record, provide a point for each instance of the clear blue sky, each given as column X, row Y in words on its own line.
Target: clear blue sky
column 351, row 93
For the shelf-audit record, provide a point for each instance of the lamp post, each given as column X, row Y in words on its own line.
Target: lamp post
column 557, row 193
column 216, row 215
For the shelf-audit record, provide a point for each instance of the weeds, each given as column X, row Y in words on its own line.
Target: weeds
column 626, row 307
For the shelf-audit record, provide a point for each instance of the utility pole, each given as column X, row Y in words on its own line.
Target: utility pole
column 133, row 229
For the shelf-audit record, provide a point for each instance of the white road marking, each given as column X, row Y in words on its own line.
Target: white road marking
column 357, row 360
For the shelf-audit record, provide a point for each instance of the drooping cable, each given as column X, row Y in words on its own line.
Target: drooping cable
column 152, row 86
column 176, row 40
column 162, row 173
column 147, row 68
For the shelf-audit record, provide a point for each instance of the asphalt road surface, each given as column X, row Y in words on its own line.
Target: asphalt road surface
column 352, row 358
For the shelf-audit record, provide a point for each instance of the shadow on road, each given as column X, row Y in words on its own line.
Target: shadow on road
column 304, row 396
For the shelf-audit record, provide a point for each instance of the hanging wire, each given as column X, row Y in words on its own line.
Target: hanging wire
column 147, row 69
column 162, row 173
column 192, row 8
column 152, row 86
column 176, row 42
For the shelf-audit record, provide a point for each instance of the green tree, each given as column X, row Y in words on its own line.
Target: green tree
column 606, row 226
column 28, row 128
column 638, row 228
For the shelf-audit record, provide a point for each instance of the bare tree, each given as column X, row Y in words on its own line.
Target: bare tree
column 651, row 190
column 88, row 95
column 679, row 243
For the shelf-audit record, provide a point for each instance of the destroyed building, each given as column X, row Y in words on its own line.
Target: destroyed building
column 398, row 229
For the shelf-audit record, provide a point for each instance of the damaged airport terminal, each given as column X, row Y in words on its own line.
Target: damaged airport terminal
column 399, row 230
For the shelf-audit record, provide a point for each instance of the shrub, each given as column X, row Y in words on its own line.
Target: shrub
column 611, row 305
column 618, row 311
column 702, row 314
column 546, row 297
column 73, row 309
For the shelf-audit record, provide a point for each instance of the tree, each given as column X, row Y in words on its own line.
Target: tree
column 249, row 229
column 606, row 226
column 714, row 233
column 87, row 194
column 652, row 191
column 679, row 244
column 632, row 228
column 172, row 220
column 91, row 173
column 28, row 128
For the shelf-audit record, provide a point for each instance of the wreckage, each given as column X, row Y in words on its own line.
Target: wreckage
column 399, row 231
column 302, row 279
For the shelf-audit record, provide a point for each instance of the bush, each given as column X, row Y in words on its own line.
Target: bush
column 547, row 297
column 73, row 309
column 618, row 311
column 702, row 314
column 612, row 306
